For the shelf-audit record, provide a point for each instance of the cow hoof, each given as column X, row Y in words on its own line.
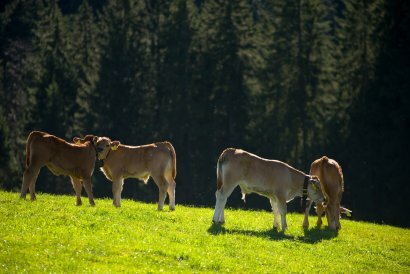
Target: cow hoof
column 218, row 223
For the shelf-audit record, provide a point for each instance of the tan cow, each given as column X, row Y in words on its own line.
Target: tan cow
column 330, row 175
column 62, row 158
column 156, row 160
column 276, row 180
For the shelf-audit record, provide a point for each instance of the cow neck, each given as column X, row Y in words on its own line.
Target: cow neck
column 304, row 192
column 95, row 149
column 106, row 156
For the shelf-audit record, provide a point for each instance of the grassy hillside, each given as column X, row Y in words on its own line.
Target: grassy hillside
column 53, row 235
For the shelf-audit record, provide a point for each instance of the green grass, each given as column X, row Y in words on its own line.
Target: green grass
column 53, row 235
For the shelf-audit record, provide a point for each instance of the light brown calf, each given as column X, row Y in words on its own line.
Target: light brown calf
column 61, row 158
column 330, row 175
column 276, row 180
column 156, row 160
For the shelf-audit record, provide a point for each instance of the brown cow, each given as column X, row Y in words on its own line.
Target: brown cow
column 62, row 158
column 330, row 175
column 276, row 180
column 157, row 160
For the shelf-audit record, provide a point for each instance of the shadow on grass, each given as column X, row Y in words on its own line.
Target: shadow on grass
column 311, row 236
column 271, row 234
column 317, row 234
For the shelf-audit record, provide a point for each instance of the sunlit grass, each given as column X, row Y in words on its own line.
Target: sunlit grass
column 53, row 235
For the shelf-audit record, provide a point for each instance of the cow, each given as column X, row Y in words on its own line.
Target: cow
column 277, row 181
column 61, row 158
column 157, row 160
column 330, row 175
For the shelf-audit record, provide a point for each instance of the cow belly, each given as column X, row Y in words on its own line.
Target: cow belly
column 144, row 176
column 247, row 189
column 58, row 171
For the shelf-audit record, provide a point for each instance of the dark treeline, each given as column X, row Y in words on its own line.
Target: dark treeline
column 287, row 80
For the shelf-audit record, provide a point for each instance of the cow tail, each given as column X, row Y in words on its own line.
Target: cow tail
column 219, row 165
column 27, row 154
column 342, row 182
column 28, row 145
column 174, row 158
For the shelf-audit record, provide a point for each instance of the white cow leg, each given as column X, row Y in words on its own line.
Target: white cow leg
column 219, row 207
column 171, row 194
column 116, row 191
column 282, row 211
column 319, row 210
column 275, row 210
column 222, row 217
column 306, row 219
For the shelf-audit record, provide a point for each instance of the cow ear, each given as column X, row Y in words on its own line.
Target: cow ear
column 95, row 138
column 114, row 145
column 89, row 137
column 76, row 140
column 346, row 211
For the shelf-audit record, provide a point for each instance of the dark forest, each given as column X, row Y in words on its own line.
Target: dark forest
column 286, row 80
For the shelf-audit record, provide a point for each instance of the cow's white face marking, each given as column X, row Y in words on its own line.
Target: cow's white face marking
column 315, row 191
column 103, row 147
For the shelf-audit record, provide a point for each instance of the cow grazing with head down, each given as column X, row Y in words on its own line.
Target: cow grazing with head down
column 61, row 158
column 276, row 180
column 157, row 160
column 330, row 175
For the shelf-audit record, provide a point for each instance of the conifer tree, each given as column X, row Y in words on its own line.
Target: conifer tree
column 16, row 76
column 86, row 59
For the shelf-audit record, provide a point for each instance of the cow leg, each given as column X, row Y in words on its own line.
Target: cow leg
column 275, row 214
column 319, row 210
column 171, row 194
column 29, row 181
column 221, row 199
column 306, row 219
column 89, row 190
column 282, row 211
column 337, row 217
column 163, row 187
column 78, row 187
column 32, row 189
column 117, row 184
column 221, row 195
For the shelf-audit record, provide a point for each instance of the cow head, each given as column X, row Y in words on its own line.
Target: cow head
column 103, row 145
column 314, row 190
column 87, row 138
column 333, row 212
column 333, row 215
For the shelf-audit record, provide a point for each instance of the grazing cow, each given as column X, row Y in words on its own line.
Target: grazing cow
column 62, row 158
column 276, row 180
column 330, row 175
column 156, row 160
